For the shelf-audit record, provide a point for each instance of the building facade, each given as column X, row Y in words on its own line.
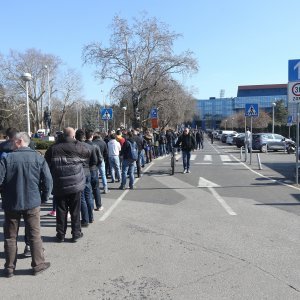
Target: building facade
column 212, row 111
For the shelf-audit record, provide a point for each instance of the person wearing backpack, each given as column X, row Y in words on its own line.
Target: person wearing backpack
column 130, row 155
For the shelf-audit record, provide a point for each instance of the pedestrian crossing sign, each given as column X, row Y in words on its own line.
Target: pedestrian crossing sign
column 106, row 114
column 251, row 110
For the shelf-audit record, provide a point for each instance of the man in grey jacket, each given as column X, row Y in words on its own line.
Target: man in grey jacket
column 26, row 183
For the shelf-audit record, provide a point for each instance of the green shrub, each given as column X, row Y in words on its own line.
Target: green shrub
column 42, row 145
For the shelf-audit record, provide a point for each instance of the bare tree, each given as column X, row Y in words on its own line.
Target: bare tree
column 68, row 95
column 31, row 61
column 138, row 58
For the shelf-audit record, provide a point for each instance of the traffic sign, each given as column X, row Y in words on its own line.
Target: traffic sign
column 106, row 114
column 251, row 110
column 290, row 120
column 294, row 92
column 154, row 113
column 294, row 70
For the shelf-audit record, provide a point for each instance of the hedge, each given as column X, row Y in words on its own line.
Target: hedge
column 41, row 144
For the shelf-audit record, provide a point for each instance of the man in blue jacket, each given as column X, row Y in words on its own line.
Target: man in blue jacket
column 26, row 183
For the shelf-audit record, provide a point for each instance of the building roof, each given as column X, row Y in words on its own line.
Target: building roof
column 262, row 86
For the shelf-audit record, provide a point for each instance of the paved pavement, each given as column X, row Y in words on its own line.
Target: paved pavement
column 222, row 232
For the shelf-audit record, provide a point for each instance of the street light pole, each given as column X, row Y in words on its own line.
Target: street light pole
column 273, row 115
column 124, row 108
column 27, row 77
column 225, row 124
column 232, row 123
column 49, row 94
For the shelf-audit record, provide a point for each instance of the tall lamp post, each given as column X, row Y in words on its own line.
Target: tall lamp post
column 225, row 124
column 273, row 115
column 27, row 77
column 232, row 123
column 49, row 97
column 124, row 109
column 48, row 83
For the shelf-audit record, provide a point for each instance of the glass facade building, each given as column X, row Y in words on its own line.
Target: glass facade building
column 212, row 111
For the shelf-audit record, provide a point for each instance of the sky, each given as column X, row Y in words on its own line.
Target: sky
column 235, row 42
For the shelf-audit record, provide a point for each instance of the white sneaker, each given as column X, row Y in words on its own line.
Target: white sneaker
column 184, row 171
column 188, row 171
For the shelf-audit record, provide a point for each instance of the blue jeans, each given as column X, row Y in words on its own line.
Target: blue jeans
column 142, row 157
column 87, row 203
column 114, row 162
column 128, row 168
column 162, row 149
column 102, row 172
column 95, row 187
column 186, row 155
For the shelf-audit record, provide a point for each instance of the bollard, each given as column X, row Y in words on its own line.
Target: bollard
column 259, row 163
column 241, row 153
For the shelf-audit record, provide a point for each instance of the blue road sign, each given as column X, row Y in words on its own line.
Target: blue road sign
column 290, row 120
column 294, row 70
column 251, row 110
column 154, row 113
column 106, row 114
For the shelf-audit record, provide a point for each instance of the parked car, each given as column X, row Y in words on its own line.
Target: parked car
column 225, row 133
column 268, row 141
column 230, row 140
column 240, row 140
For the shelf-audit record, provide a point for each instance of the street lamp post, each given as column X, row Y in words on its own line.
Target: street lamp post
column 273, row 115
column 49, row 94
column 232, row 123
column 225, row 124
column 27, row 77
column 124, row 109
column 49, row 97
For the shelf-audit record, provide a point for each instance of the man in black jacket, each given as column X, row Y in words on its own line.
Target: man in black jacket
column 94, row 166
column 187, row 143
column 65, row 159
column 26, row 182
column 87, row 202
column 97, row 140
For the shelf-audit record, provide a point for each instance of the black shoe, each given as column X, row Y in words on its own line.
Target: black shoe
column 8, row 273
column 121, row 187
column 27, row 252
column 76, row 238
column 131, row 187
column 83, row 224
column 60, row 238
column 45, row 267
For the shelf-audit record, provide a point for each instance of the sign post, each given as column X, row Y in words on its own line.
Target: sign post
column 154, row 117
column 251, row 110
column 106, row 114
column 294, row 97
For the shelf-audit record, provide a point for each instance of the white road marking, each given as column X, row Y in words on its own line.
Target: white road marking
column 193, row 156
column 225, row 158
column 204, row 183
column 203, row 163
column 207, row 157
column 110, row 210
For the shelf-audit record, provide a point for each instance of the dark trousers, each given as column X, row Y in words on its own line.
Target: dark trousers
column 33, row 232
column 95, row 187
column 87, row 202
column 65, row 203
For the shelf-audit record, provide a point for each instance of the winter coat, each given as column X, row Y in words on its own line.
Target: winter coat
column 26, row 180
column 65, row 159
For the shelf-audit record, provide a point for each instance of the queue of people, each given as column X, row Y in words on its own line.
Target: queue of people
column 71, row 170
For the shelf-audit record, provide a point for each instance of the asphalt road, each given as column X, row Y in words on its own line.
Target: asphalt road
column 226, row 231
